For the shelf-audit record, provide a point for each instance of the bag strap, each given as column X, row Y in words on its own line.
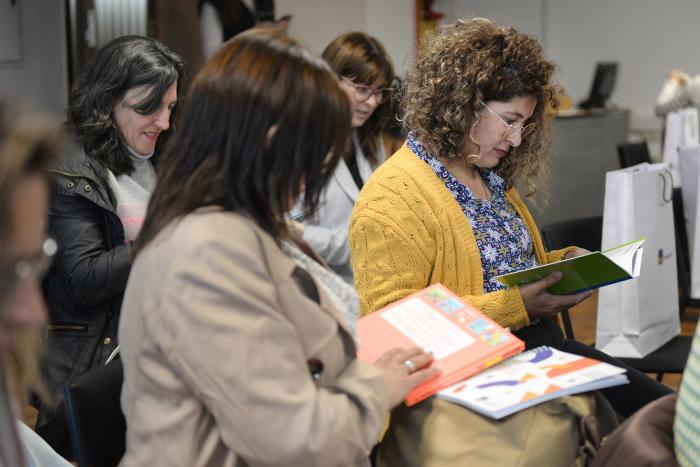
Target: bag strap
column 596, row 419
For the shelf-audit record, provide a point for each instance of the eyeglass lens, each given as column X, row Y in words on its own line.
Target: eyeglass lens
column 511, row 128
column 363, row 92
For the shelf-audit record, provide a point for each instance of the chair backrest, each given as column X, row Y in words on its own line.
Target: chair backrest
column 586, row 233
column 633, row 153
column 682, row 249
column 95, row 419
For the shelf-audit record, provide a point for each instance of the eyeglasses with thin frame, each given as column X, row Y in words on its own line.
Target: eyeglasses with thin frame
column 363, row 92
column 511, row 128
column 12, row 273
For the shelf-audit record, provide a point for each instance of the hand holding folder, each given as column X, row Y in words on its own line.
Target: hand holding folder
column 462, row 339
column 585, row 272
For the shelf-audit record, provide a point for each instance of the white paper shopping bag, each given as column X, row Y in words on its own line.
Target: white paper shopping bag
column 682, row 129
column 689, row 160
column 638, row 316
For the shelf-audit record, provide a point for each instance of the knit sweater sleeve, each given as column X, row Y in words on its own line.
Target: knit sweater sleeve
column 402, row 242
column 389, row 263
column 505, row 307
column 558, row 255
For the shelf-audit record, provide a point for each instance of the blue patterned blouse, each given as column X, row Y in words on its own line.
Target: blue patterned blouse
column 504, row 242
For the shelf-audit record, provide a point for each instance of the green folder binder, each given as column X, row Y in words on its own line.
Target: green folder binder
column 585, row 272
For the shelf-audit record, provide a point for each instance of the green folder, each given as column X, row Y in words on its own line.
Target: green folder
column 585, row 272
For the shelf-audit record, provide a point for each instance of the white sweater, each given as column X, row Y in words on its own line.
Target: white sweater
column 133, row 193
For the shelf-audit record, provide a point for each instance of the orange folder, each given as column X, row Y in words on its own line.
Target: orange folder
column 463, row 340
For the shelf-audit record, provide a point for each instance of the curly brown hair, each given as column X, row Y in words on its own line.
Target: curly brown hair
column 473, row 61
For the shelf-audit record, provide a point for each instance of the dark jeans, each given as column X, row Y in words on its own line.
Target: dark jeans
column 625, row 399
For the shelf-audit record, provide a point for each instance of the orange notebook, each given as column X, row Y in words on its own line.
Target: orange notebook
column 463, row 340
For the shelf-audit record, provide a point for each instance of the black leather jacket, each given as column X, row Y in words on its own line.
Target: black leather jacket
column 86, row 282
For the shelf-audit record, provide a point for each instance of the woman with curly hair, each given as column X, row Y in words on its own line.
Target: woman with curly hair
column 366, row 73
column 445, row 207
column 120, row 115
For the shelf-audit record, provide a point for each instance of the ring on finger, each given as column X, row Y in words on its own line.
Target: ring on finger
column 410, row 365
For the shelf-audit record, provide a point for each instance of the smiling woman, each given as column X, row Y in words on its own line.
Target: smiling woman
column 139, row 131
column 366, row 73
column 121, row 114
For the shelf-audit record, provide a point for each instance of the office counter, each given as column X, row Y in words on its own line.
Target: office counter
column 584, row 150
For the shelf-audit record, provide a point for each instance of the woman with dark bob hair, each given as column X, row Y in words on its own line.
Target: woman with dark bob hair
column 234, row 352
column 121, row 113
column 365, row 72
column 478, row 105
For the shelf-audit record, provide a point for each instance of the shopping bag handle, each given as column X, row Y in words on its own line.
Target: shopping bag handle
column 668, row 184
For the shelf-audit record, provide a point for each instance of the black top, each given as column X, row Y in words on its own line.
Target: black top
column 351, row 162
column 85, row 284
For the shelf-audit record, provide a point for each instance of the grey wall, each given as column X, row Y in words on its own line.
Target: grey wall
column 317, row 22
column 584, row 150
column 393, row 23
column 646, row 37
column 40, row 78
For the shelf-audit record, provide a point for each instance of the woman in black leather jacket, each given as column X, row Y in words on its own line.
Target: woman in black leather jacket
column 120, row 115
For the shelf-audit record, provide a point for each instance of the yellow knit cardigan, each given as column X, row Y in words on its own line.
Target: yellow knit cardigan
column 407, row 232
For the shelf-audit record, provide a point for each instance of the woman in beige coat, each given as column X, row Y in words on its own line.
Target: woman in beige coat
column 234, row 351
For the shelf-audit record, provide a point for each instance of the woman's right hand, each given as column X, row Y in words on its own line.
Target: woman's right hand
column 541, row 304
column 405, row 369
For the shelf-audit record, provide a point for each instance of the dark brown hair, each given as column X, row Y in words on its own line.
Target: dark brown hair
column 472, row 61
column 263, row 121
column 363, row 59
column 124, row 63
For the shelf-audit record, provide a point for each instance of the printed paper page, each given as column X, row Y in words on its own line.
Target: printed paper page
column 528, row 376
column 627, row 256
column 428, row 328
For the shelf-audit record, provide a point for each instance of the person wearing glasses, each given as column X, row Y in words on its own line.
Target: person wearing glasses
column 366, row 74
column 445, row 208
column 27, row 145
column 120, row 116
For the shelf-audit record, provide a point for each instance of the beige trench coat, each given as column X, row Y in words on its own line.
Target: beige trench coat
column 233, row 356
